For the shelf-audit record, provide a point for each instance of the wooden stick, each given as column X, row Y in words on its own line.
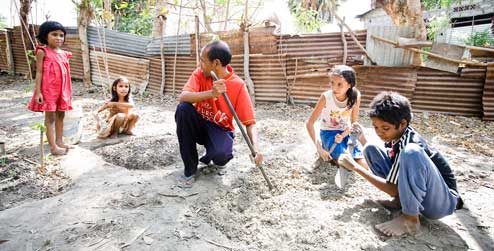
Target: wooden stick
column 218, row 244
column 135, row 238
column 41, row 149
column 354, row 38
column 343, row 40
column 429, row 53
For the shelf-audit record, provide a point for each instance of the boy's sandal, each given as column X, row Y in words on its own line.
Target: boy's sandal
column 185, row 182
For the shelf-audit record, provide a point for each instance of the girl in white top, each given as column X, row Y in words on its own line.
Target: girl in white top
column 338, row 109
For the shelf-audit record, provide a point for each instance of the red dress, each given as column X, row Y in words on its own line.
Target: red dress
column 56, row 86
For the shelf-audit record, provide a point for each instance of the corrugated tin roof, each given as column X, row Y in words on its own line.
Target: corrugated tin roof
column 488, row 95
column 117, row 41
column 385, row 54
column 73, row 44
column 183, row 46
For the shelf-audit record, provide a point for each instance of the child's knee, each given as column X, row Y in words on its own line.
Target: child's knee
column 371, row 149
column 134, row 116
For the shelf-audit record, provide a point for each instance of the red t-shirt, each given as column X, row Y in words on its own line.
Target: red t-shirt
column 216, row 110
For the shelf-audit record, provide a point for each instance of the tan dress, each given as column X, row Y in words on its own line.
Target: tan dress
column 117, row 116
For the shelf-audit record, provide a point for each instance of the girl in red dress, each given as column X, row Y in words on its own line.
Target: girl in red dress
column 53, row 91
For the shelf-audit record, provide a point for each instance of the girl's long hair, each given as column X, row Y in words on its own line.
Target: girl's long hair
column 350, row 77
column 114, row 94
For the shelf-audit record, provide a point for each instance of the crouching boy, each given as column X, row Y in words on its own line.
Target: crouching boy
column 417, row 176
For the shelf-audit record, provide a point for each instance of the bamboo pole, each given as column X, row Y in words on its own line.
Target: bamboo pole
column 354, row 37
column 343, row 40
column 176, row 48
column 429, row 53
column 162, row 56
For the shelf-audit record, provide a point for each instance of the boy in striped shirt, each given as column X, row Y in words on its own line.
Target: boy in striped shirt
column 417, row 176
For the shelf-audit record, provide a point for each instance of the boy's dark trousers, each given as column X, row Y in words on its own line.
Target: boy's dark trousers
column 192, row 129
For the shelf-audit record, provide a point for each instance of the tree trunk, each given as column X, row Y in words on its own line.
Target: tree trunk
column 205, row 17
column 226, row 15
column 108, row 14
column 407, row 13
column 82, row 23
column 159, row 24
column 24, row 12
column 248, row 80
column 162, row 54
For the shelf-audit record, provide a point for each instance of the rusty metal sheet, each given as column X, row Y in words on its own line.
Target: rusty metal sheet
column 385, row 54
column 182, row 42
column 3, row 51
column 445, row 92
column 117, row 41
column 371, row 80
column 136, row 70
column 488, row 95
column 19, row 53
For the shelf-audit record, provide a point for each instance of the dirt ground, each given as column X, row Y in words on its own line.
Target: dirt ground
column 120, row 193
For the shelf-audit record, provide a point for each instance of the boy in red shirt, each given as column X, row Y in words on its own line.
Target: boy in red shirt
column 203, row 116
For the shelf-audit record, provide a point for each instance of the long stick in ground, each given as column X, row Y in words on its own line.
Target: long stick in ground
column 244, row 134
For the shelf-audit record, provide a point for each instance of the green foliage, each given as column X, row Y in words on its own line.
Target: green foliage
column 38, row 126
column 438, row 4
column 437, row 24
column 310, row 15
column 481, row 38
column 3, row 23
column 308, row 21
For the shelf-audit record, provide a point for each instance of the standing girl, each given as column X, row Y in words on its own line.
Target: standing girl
column 121, row 119
column 53, row 90
column 339, row 108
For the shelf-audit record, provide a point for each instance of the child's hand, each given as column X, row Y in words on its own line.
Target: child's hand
column 39, row 98
column 323, row 154
column 338, row 138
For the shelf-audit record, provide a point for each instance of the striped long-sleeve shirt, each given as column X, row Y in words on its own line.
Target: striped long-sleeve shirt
column 411, row 136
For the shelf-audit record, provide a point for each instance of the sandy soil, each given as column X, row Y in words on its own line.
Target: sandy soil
column 121, row 194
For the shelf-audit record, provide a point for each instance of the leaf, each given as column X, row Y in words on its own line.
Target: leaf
column 123, row 5
column 164, row 11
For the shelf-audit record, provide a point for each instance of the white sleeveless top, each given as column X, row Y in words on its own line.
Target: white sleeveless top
column 335, row 114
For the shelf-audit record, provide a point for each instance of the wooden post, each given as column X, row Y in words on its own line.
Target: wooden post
column 343, row 40
column 198, row 34
column 162, row 56
column 41, row 148
column 82, row 23
column 176, row 48
column 354, row 38
column 8, row 52
column 248, row 80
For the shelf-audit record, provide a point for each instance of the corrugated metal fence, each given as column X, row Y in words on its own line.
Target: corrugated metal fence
column 4, row 52
column 281, row 66
column 488, row 95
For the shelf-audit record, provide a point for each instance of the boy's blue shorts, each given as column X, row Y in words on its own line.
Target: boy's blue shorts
column 327, row 139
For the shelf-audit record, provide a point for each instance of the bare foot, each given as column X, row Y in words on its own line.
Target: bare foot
column 393, row 204
column 58, row 151
column 130, row 133
column 346, row 161
column 114, row 136
column 404, row 224
column 63, row 145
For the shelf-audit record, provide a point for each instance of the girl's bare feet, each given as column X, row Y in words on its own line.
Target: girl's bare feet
column 130, row 133
column 58, row 151
column 403, row 224
column 63, row 145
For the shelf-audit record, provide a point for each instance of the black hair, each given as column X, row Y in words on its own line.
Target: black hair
column 391, row 107
column 48, row 27
column 114, row 94
column 349, row 75
column 219, row 50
